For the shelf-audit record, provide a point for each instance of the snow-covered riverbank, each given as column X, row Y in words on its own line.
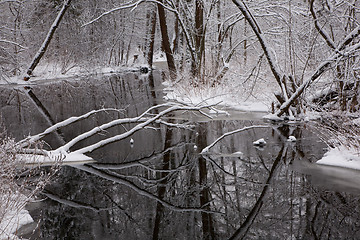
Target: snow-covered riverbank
column 14, row 216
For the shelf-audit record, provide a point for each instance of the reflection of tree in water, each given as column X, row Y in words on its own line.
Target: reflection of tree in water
column 176, row 193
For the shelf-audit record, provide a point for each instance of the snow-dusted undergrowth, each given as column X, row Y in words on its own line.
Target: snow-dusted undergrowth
column 15, row 192
column 48, row 72
column 235, row 92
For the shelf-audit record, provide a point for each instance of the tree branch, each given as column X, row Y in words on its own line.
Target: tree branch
column 322, row 32
column 268, row 51
column 206, row 149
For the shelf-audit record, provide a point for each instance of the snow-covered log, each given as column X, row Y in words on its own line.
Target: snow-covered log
column 142, row 121
column 33, row 139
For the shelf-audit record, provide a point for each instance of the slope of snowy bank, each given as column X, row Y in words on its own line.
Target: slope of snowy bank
column 14, row 217
column 341, row 157
column 50, row 72
column 227, row 95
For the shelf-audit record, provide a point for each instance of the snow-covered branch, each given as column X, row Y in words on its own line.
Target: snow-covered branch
column 138, row 127
column 14, row 43
column 47, row 40
column 320, row 29
column 142, row 121
column 323, row 67
column 268, row 51
column 32, row 139
column 125, row 6
column 206, row 149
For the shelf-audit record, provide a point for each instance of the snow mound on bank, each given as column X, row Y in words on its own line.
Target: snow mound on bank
column 14, row 217
column 341, row 157
column 228, row 94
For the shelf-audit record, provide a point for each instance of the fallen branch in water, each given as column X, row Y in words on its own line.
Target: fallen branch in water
column 33, row 139
column 206, row 149
column 146, row 119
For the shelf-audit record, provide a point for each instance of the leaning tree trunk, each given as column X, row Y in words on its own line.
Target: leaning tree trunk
column 47, row 40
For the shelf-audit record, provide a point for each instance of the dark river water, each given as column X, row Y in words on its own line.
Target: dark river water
column 161, row 187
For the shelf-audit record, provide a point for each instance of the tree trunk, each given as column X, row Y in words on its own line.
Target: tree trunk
column 205, row 195
column 150, row 45
column 47, row 40
column 240, row 233
column 166, row 42
column 162, row 186
column 199, row 37
column 176, row 32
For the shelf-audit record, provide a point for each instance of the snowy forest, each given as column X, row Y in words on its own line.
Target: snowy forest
column 196, row 111
column 293, row 44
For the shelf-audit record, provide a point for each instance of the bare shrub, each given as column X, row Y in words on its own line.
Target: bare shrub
column 18, row 185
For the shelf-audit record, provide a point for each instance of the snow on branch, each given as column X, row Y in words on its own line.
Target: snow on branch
column 268, row 51
column 345, row 51
column 139, row 127
column 320, row 29
column 125, row 6
column 40, row 53
column 142, row 121
column 14, row 43
column 349, row 38
column 32, row 139
column 206, row 149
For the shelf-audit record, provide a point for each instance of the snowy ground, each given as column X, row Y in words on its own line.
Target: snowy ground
column 50, row 72
column 228, row 95
column 14, row 216
column 341, row 157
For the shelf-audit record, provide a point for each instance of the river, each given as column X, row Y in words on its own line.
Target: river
column 161, row 187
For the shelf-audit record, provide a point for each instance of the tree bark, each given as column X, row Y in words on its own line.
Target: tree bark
column 47, row 41
column 152, row 25
column 166, row 41
column 198, row 37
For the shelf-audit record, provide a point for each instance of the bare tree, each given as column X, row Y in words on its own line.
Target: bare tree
column 288, row 98
column 165, row 41
column 47, row 41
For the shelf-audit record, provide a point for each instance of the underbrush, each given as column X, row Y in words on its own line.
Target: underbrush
column 18, row 185
column 239, row 92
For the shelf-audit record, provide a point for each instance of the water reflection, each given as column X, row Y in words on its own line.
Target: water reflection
column 162, row 188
